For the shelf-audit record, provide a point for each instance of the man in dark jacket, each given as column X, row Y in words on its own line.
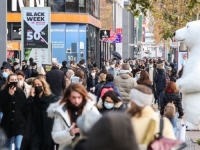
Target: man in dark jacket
column 83, row 67
column 64, row 67
column 56, row 80
column 25, row 69
column 160, row 80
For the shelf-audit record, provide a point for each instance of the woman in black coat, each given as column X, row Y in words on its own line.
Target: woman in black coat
column 92, row 81
column 171, row 94
column 12, row 100
column 39, row 126
column 110, row 102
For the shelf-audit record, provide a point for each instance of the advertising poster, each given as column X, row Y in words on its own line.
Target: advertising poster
column 58, row 41
column 182, row 58
column 36, row 34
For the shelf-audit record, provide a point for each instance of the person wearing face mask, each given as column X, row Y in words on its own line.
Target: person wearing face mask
column 76, row 102
column 137, row 74
column 111, row 70
column 110, row 102
column 22, row 84
column 6, row 71
column 39, row 125
column 92, row 81
column 25, row 69
column 15, row 67
column 12, row 101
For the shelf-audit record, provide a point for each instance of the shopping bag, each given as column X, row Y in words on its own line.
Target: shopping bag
column 181, row 131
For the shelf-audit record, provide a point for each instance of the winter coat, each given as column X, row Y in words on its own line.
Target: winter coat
column 62, row 122
column 56, row 81
column 64, row 70
column 2, row 82
column 39, row 125
column 142, row 122
column 26, row 72
column 90, row 83
column 112, row 85
column 27, row 89
column 113, row 71
column 98, row 89
column 13, row 121
column 160, row 79
column 79, row 144
column 113, row 131
column 125, row 83
column 120, row 107
column 169, row 97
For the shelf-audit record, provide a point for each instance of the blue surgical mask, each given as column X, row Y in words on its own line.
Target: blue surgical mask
column 5, row 75
column 108, row 105
column 137, row 76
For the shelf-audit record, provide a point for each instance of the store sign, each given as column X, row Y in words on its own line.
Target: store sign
column 36, row 34
column 13, row 45
column 104, row 34
column 119, row 30
column 72, row 57
column 118, row 39
column 32, row 3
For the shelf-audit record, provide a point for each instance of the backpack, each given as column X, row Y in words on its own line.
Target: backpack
column 104, row 90
column 170, row 110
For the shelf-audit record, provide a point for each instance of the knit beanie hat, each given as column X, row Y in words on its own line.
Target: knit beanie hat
column 86, row 121
column 139, row 98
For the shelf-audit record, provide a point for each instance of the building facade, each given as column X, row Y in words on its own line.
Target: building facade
column 75, row 27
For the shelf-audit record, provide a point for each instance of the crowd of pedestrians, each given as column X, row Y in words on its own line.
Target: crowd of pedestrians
column 79, row 106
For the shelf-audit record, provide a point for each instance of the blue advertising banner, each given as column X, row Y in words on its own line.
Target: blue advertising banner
column 118, row 39
column 58, row 41
column 82, row 40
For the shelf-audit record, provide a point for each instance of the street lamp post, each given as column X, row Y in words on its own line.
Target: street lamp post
column 3, row 30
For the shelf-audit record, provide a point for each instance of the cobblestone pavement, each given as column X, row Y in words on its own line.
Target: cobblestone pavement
column 190, row 144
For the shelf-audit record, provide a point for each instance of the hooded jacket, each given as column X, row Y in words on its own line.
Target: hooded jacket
column 111, row 85
column 169, row 97
column 62, row 123
column 160, row 79
column 125, row 82
column 119, row 106
column 112, row 132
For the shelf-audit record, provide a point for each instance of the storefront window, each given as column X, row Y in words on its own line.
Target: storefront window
column 72, row 5
column 16, row 31
column 8, row 31
column 57, row 5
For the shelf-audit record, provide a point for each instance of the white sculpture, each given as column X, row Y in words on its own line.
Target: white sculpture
column 189, row 83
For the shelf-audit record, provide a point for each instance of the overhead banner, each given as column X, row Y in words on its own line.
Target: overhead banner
column 36, row 34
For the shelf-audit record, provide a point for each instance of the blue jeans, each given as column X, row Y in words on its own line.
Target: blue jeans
column 160, row 94
column 174, row 122
column 17, row 140
column 1, row 116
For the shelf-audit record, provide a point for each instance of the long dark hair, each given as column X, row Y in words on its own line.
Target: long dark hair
column 144, row 78
column 112, row 95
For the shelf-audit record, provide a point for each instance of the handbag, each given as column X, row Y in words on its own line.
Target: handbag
column 162, row 143
column 181, row 130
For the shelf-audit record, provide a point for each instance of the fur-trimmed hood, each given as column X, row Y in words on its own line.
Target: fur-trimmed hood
column 116, row 106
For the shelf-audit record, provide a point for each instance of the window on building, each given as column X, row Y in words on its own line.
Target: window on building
column 8, row 31
column 82, row 6
column 16, row 31
column 57, row 5
column 72, row 6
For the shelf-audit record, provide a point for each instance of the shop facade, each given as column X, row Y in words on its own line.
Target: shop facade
column 75, row 28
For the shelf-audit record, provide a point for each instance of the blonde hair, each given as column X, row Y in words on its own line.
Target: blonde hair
column 102, row 78
column 69, row 73
column 47, row 90
column 41, row 71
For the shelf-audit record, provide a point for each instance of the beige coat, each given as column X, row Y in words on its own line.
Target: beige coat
column 125, row 82
column 140, row 124
column 27, row 89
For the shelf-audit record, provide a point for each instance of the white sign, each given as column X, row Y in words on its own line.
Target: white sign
column 36, row 34
column 32, row 3
column 175, row 44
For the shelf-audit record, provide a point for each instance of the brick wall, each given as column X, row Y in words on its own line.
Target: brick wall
column 106, row 14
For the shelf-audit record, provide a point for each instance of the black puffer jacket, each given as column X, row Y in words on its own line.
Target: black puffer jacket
column 13, row 121
column 169, row 97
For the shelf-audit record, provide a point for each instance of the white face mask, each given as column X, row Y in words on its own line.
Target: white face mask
column 108, row 105
column 93, row 74
column 20, row 83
